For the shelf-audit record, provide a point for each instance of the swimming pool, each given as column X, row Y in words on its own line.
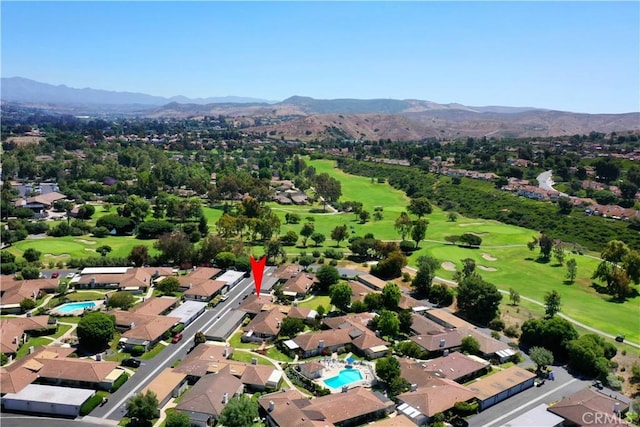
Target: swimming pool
column 73, row 306
column 345, row 377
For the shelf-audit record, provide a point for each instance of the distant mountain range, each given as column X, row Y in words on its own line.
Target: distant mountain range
column 305, row 118
column 18, row 89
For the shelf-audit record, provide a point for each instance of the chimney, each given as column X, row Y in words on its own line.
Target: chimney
column 445, row 353
column 320, row 343
column 15, row 340
column 442, row 343
column 32, row 349
column 93, row 281
column 414, row 387
column 616, row 408
column 133, row 325
column 225, row 353
column 272, row 406
column 345, row 389
column 254, row 361
column 99, row 357
column 225, row 398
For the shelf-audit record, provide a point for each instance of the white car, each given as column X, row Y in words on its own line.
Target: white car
column 71, row 275
column 224, row 297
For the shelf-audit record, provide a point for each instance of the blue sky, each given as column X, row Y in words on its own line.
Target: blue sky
column 575, row 56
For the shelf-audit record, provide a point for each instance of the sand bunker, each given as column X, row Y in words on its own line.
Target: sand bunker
column 485, row 268
column 57, row 256
column 469, row 224
column 86, row 242
column 449, row 266
column 489, row 257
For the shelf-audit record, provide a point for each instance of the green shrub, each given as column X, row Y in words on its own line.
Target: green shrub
column 316, row 253
column 495, row 335
column 333, row 253
column 464, row 408
column 496, row 324
column 407, row 246
column 177, row 329
column 118, row 383
column 90, row 404
column 511, row 331
column 137, row 350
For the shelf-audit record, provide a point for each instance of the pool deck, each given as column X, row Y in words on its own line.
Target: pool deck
column 79, row 311
column 333, row 366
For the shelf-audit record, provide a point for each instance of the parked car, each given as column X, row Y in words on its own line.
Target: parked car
column 598, row 385
column 224, row 297
column 70, row 275
column 620, row 338
column 176, row 338
column 132, row 363
column 55, row 275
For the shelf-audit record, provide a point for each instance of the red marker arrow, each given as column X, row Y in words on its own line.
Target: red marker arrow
column 257, row 267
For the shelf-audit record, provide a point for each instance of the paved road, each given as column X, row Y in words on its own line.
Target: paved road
column 546, row 182
column 15, row 420
column 115, row 409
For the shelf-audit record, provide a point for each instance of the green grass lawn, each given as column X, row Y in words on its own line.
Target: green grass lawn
column 243, row 356
column 235, row 341
column 317, row 300
column 35, row 342
column 69, row 319
column 62, row 329
column 276, row 354
column 56, row 249
column 84, row 296
column 153, row 352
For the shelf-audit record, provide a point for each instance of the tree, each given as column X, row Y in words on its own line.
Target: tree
column 318, row 238
column 328, row 188
column 373, row 301
column 175, row 247
column 27, row 304
column 391, row 296
column 406, row 320
column 139, row 255
column 122, row 300
column 468, row 268
column 631, row 266
column 551, row 303
column 211, row 246
column 240, row 411
column 199, row 338
column 420, row 207
column 364, row 216
column 103, row 250
column 31, row 255
column 290, row 238
column 306, row 232
column 441, row 295
column 609, row 269
column 327, row 275
column 177, row 419
column 341, row 296
column 85, row 211
column 388, row 323
column 514, row 296
column 403, row 225
column 552, row 334
column 339, row 233
column 168, row 285
column 565, row 205
column 559, row 252
column 572, row 270
column 590, row 355
column 387, row 368
column 154, row 228
column 290, row 327
column 477, row 299
column 419, row 231
column 291, row 218
column 541, row 357
column 143, row 408
column 470, row 239
column 30, row 272
column 470, row 345
column 95, row 330
column 546, row 245
column 424, row 276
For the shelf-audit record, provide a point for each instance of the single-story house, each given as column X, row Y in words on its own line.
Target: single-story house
column 254, row 303
column 590, row 407
column 39, row 203
column 196, row 364
column 447, row 319
column 142, row 329
column 47, row 399
column 18, row 375
column 502, row 385
column 536, row 417
column 81, row 373
column 205, row 291
column 298, row 285
column 436, row 396
column 421, row 325
column 352, row 407
column 222, row 330
column 371, row 281
column 359, row 290
column 455, row 366
column 136, row 280
column 188, row 311
column 204, row 402
column 303, row 313
column 311, row 370
column 321, row 342
column 196, row 276
column 13, row 330
column 166, row 385
column 155, row 306
column 264, row 327
column 438, row 343
column 12, row 292
column 231, row 278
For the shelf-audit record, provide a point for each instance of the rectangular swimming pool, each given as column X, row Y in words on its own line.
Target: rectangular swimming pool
column 345, row 377
column 71, row 307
